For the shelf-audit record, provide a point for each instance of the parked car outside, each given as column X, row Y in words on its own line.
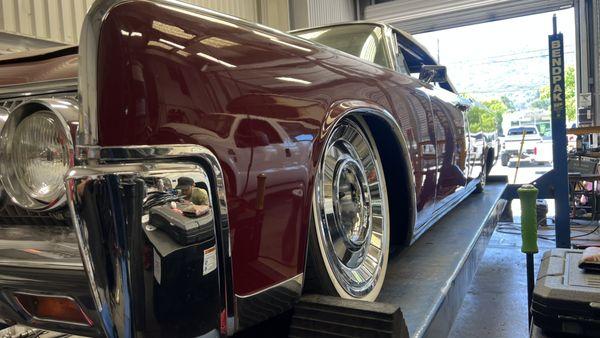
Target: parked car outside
column 532, row 144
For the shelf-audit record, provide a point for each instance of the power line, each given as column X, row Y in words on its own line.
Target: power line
column 505, row 61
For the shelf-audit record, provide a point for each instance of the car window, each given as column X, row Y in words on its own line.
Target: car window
column 519, row 131
column 364, row 41
column 414, row 55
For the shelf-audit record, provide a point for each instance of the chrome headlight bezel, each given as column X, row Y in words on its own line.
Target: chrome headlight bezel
column 3, row 117
column 61, row 110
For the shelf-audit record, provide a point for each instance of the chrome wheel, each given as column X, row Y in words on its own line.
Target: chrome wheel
column 351, row 213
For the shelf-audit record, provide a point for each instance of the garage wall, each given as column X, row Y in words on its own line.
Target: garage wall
column 56, row 20
column 330, row 11
column 61, row 20
column 311, row 13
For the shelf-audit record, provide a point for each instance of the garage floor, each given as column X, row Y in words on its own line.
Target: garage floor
column 496, row 303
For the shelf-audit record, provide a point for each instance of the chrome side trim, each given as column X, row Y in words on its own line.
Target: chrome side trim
column 291, row 284
column 38, row 88
column 88, row 70
column 45, row 247
column 110, row 163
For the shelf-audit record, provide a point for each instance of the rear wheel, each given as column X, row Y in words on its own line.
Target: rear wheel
column 350, row 231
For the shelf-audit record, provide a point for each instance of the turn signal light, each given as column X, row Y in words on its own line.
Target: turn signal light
column 53, row 308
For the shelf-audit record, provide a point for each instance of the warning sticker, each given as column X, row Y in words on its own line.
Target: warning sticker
column 157, row 266
column 210, row 260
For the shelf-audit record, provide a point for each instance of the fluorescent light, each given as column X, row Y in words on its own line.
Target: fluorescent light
column 276, row 40
column 159, row 44
column 293, row 79
column 171, row 30
column 218, row 42
column 214, row 59
column 170, row 43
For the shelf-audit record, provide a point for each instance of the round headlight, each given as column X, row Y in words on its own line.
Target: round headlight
column 36, row 152
column 3, row 116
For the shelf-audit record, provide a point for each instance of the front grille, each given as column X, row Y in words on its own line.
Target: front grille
column 11, row 103
column 11, row 214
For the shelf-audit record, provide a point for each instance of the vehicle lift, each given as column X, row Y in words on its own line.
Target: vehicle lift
column 426, row 283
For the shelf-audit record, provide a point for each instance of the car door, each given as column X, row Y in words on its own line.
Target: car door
column 419, row 128
column 452, row 145
column 449, row 124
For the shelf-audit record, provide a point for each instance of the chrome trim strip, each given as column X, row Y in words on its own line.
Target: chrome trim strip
column 39, row 88
column 288, row 284
column 15, row 263
column 88, row 75
column 96, row 161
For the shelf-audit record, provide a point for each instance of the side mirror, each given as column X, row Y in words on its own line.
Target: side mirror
column 433, row 73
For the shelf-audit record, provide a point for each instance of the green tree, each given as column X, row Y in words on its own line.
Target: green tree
column 488, row 115
column 544, row 96
column 497, row 108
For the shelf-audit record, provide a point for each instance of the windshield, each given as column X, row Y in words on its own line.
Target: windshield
column 365, row 41
column 519, row 131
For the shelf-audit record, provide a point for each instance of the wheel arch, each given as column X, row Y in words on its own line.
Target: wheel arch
column 391, row 142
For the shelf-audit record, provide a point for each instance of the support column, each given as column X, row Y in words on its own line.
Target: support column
column 587, row 22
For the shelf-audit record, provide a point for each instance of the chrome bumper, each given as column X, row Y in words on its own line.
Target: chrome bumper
column 128, row 277
column 43, row 260
column 142, row 280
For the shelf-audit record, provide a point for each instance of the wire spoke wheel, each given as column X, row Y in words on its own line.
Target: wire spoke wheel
column 351, row 216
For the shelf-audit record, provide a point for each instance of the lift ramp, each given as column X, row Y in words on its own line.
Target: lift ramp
column 424, row 285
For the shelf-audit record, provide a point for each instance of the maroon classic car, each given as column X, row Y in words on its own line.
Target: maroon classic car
column 318, row 152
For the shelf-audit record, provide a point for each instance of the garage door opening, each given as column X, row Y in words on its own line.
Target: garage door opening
column 504, row 66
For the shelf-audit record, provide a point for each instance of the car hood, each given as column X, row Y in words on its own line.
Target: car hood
column 40, row 65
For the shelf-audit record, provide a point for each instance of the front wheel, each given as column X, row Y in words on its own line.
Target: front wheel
column 505, row 159
column 483, row 177
column 350, row 231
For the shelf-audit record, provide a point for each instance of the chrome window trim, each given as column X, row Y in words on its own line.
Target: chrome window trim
column 94, row 160
column 38, row 88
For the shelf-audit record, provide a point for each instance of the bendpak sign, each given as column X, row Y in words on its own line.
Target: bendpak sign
column 557, row 76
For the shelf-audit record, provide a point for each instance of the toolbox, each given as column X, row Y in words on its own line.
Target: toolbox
column 566, row 299
column 182, row 228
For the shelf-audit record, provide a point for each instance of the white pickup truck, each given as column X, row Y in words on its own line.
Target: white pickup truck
column 512, row 144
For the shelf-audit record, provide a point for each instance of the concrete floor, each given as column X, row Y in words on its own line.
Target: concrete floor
column 496, row 303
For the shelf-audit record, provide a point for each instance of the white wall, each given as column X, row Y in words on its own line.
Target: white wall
column 311, row 13
column 326, row 12
column 56, row 20
column 61, row 20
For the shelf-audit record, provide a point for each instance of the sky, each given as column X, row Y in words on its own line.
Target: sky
column 507, row 57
